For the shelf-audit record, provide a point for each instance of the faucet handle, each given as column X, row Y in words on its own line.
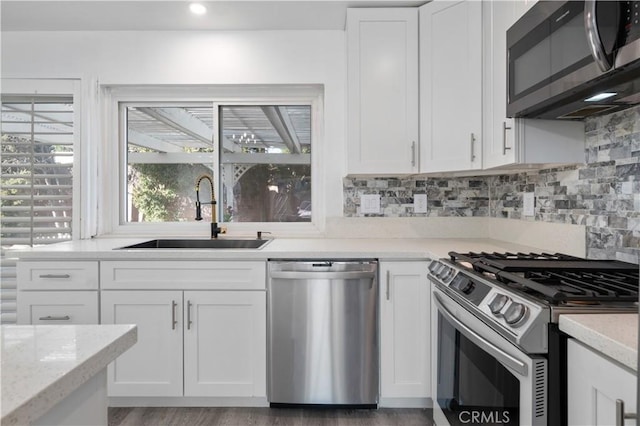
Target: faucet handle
column 259, row 234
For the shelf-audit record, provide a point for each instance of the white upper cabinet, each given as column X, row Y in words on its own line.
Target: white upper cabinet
column 508, row 141
column 382, row 80
column 450, row 86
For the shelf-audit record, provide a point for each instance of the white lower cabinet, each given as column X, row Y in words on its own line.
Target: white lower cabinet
column 225, row 343
column 153, row 366
column 57, row 307
column 594, row 383
column 404, row 333
column 220, row 336
column 54, row 292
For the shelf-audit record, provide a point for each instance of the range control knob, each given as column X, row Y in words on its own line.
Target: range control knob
column 446, row 273
column 468, row 287
column 433, row 266
column 515, row 313
column 498, row 302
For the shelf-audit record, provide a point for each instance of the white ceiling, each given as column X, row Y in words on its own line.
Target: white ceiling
column 115, row 15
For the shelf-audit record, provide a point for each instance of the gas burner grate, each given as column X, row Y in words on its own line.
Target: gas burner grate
column 557, row 277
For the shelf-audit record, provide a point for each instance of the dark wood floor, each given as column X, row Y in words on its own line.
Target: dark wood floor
column 267, row 416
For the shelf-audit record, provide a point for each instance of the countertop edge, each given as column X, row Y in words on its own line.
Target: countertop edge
column 56, row 391
column 613, row 335
column 278, row 248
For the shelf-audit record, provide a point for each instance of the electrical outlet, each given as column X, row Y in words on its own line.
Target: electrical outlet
column 419, row 203
column 370, row 203
column 528, row 204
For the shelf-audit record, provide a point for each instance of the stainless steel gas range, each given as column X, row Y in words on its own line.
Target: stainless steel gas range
column 500, row 358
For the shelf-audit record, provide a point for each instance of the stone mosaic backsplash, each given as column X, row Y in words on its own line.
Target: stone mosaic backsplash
column 603, row 194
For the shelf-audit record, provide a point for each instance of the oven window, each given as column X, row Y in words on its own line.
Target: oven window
column 472, row 386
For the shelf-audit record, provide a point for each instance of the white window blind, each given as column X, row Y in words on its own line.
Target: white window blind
column 36, row 181
column 37, row 166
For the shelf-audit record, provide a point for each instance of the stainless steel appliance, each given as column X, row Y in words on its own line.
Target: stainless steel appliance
column 573, row 59
column 499, row 356
column 323, row 332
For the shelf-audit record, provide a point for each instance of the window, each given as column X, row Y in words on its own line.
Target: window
column 258, row 154
column 37, row 169
column 266, row 163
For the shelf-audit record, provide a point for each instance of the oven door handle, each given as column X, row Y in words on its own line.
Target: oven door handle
column 500, row 355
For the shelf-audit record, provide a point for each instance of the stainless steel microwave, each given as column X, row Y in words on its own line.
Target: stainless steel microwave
column 574, row 59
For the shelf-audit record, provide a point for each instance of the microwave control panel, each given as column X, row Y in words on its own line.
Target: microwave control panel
column 631, row 17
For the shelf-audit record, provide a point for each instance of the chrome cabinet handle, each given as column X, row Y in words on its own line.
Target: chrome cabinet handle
column 388, row 279
column 55, row 276
column 593, row 37
column 413, row 154
column 473, row 155
column 189, row 315
column 52, row 318
column 504, row 137
column 621, row 415
column 503, row 357
column 174, row 321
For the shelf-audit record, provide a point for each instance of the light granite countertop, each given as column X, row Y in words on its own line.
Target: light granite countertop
column 614, row 335
column 43, row 364
column 278, row 248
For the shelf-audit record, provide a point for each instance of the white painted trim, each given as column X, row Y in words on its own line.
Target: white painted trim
column 111, row 211
column 405, row 403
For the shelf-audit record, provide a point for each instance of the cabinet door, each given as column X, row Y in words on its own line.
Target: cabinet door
column 404, row 330
column 450, row 86
column 58, row 307
column 153, row 366
column 594, row 383
column 498, row 141
column 382, row 80
column 225, row 343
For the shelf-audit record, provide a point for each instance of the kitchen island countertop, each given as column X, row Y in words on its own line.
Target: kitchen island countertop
column 43, row 364
column 614, row 335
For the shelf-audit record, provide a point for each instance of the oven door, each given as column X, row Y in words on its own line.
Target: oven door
column 481, row 378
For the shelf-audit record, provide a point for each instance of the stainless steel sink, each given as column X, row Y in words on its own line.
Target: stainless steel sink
column 198, row 244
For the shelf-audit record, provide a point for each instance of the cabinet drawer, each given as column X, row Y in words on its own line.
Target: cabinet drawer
column 57, row 275
column 178, row 275
column 58, row 307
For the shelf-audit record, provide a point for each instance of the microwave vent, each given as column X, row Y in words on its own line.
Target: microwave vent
column 587, row 111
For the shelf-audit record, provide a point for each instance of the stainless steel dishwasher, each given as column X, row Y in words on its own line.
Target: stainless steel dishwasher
column 323, row 332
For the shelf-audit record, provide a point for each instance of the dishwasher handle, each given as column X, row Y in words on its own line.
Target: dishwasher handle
column 301, row 275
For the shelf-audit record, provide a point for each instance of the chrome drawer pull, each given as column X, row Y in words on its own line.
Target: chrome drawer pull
column 388, row 279
column 189, row 322
column 504, row 138
column 55, row 276
column 413, row 154
column 51, row 318
column 174, row 321
column 473, row 140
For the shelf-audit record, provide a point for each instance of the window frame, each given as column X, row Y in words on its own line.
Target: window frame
column 113, row 220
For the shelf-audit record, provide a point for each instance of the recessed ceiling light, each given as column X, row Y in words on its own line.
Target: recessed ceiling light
column 600, row 96
column 197, row 8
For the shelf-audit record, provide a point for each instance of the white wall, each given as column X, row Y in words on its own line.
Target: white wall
column 195, row 57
